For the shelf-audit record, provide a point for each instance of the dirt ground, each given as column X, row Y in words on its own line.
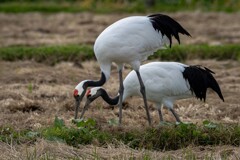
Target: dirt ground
column 64, row 28
column 32, row 94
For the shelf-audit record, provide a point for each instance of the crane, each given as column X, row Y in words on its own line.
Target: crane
column 165, row 83
column 130, row 40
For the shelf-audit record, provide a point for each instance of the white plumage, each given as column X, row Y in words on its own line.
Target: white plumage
column 165, row 83
column 130, row 40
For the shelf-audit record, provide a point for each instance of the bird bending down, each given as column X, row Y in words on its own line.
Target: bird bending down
column 165, row 83
column 130, row 40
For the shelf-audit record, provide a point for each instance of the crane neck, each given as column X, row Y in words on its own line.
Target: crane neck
column 100, row 82
column 108, row 99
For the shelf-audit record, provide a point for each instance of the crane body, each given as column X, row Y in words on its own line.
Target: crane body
column 165, row 83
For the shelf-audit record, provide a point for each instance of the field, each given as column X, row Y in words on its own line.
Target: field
column 34, row 93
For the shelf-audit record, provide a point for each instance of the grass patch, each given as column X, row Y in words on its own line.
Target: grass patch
column 106, row 6
column 39, row 6
column 78, row 53
column 167, row 137
column 47, row 54
column 85, row 132
column 184, row 52
column 11, row 136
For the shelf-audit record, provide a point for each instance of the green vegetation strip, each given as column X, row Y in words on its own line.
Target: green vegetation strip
column 47, row 54
column 167, row 136
column 106, row 6
column 78, row 53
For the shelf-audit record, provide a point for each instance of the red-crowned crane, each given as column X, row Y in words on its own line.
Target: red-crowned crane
column 165, row 83
column 130, row 40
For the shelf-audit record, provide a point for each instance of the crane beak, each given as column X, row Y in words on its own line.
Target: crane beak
column 78, row 102
column 89, row 100
column 86, row 106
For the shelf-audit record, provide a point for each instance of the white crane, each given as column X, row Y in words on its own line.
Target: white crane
column 130, row 40
column 165, row 83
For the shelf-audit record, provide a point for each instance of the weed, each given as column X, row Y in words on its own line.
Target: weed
column 113, row 122
column 30, row 87
column 11, row 136
column 170, row 137
column 83, row 134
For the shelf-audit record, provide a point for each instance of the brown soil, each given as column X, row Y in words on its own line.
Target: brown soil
column 64, row 28
column 32, row 94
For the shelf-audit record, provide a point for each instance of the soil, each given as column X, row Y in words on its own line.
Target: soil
column 34, row 93
column 64, row 28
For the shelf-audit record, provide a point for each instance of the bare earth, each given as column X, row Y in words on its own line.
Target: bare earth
column 32, row 94
column 63, row 28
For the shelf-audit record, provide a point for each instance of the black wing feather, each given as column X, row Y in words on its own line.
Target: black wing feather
column 200, row 79
column 167, row 26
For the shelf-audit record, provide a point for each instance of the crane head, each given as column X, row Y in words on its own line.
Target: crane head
column 78, row 94
column 80, row 90
column 93, row 94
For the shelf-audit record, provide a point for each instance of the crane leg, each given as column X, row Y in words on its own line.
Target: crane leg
column 121, row 89
column 160, row 114
column 175, row 115
column 142, row 90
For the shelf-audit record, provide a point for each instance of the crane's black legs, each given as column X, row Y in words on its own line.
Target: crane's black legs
column 121, row 89
column 142, row 90
column 175, row 115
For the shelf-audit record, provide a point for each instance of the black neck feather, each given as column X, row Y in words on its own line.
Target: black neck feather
column 106, row 98
column 167, row 26
column 90, row 83
column 200, row 79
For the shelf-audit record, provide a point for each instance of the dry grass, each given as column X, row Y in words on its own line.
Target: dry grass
column 83, row 28
column 43, row 92
column 43, row 149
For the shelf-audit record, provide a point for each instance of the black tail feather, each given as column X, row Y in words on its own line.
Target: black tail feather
column 200, row 79
column 167, row 26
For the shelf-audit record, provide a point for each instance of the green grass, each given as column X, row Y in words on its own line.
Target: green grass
column 47, row 54
column 107, row 6
column 79, row 53
column 183, row 52
column 167, row 137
